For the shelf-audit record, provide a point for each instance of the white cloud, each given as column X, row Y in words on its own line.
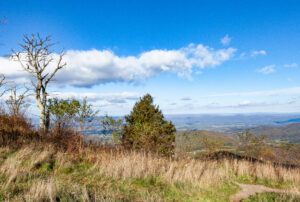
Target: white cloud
column 244, row 103
column 258, row 52
column 290, row 65
column 95, row 97
column 267, row 69
column 92, row 67
column 186, row 98
column 276, row 92
column 226, row 40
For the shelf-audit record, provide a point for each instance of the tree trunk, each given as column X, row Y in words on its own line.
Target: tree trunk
column 47, row 121
column 42, row 121
column 41, row 105
column 42, row 115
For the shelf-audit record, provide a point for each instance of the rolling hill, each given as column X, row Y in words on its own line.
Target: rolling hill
column 289, row 132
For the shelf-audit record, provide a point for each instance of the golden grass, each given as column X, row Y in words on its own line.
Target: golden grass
column 138, row 164
column 208, row 172
column 25, row 166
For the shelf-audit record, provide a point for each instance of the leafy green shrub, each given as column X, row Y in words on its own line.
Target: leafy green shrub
column 63, row 111
column 66, row 113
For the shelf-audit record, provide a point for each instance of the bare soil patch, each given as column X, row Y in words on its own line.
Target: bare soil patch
column 251, row 189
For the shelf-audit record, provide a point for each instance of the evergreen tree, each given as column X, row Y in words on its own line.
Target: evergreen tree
column 147, row 129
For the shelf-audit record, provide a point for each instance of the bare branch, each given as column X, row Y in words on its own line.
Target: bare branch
column 3, row 83
column 16, row 100
column 59, row 66
column 35, row 57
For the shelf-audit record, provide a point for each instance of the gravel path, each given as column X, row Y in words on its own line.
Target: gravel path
column 251, row 189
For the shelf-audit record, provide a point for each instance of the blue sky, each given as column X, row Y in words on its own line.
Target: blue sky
column 244, row 57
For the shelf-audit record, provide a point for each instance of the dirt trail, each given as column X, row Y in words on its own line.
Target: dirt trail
column 251, row 189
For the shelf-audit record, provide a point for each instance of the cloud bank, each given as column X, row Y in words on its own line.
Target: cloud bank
column 86, row 68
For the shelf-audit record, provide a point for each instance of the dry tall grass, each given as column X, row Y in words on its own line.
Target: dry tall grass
column 209, row 172
column 23, row 166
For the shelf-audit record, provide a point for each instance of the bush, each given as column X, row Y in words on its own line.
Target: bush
column 63, row 112
column 15, row 131
column 70, row 113
column 147, row 129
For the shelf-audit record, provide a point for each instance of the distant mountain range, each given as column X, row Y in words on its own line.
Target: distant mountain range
column 297, row 120
column 226, row 122
column 280, row 127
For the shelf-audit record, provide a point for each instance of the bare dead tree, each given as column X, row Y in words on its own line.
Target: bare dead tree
column 2, row 76
column 16, row 101
column 3, row 83
column 35, row 57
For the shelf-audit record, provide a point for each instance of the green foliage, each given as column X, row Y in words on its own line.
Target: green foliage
column 67, row 112
column 112, row 127
column 63, row 111
column 147, row 129
column 85, row 114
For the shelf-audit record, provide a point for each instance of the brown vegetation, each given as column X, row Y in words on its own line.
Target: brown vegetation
column 16, row 131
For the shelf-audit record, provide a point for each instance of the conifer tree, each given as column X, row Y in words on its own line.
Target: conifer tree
column 147, row 129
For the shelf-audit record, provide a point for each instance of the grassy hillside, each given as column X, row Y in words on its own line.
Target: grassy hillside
column 289, row 133
column 227, row 139
column 41, row 173
column 192, row 140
